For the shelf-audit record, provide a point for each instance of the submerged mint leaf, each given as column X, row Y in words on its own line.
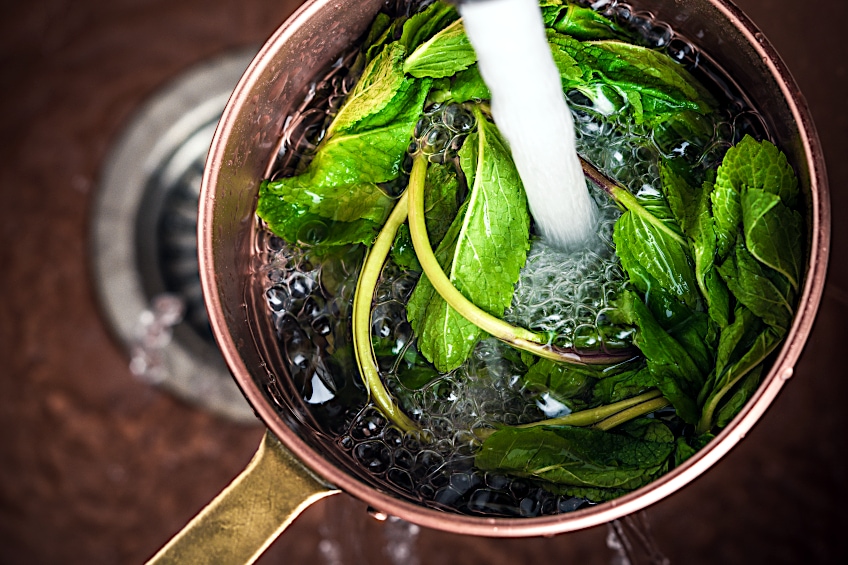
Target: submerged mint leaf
column 647, row 238
column 380, row 82
column 579, row 22
column 756, row 165
column 444, row 336
column 403, row 253
column 482, row 253
column 575, row 457
column 761, row 348
column 377, row 36
column 676, row 374
column 739, row 396
column 754, row 287
column 443, row 55
column 469, row 85
column 691, row 208
column 623, row 385
column 441, row 200
column 563, row 381
column 336, row 200
column 425, row 24
column 656, row 87
column 297, row 225
column 773, row 233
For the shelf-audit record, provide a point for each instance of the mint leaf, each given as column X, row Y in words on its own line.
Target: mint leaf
column 729, row 380
column 422, row 26
column 579, row 22
column 773, row 233
column 692, row 211
column 741, row 393
column 469, row 85
column 753, row 287
column 623, row 385
column 656, row 87
column 403, row 253
column 380, row 82
column 647, row 238
column 444, row 337
column 297, row 225
column 336, row 199
column 676, row 374
column 564, row 382
column 575, row 457
column 445, row 54
column 482, row 253
column 752, row 164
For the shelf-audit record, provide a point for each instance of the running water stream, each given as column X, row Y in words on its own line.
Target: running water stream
column 529, row 108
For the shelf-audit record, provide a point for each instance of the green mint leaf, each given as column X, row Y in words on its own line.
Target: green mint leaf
column 340, row 203
column 444, row 336
column 469, row 85
column 773, row 233
column 441, row 200
column 692, row 211
column 647, row 429
column 752, row 164
column 403, row 253
column 380, row 83
column 739, row 396
column 338, row 192
column 422, row 26
column 754, row 287
column 623, row 385
column 563, row 382
column 647, row 238
column 482, row 253
column 676, row 374
column 729, row 380
column 445, row 54
column 297, row 225
column 687, row 447
column 377, row 34
column 579, row 22
column 656, row 87
column 575, row 457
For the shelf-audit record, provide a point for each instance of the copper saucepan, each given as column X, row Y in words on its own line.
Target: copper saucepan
column 296, row 464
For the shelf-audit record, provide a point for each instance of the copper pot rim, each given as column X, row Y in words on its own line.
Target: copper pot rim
column 780, row 372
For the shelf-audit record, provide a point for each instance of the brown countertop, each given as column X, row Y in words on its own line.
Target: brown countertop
column 96, row 467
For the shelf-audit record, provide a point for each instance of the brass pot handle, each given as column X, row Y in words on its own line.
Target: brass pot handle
column 242, row 521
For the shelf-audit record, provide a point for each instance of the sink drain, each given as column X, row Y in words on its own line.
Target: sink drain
column 144, row 239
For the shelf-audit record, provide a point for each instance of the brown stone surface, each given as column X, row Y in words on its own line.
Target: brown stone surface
column 98, row 468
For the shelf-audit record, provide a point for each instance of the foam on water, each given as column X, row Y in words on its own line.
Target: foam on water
column 529, row 108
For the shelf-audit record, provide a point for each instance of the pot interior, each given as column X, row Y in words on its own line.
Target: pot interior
column 246, row 144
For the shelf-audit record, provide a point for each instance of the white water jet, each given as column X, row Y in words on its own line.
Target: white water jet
column 529, row 108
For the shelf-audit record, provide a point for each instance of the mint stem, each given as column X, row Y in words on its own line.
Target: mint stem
column 518, row 337
column 595, row 415
column 362, row 344
column 631, row 413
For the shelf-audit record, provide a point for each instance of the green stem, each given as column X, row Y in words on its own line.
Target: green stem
column 623, row 197
column 362, row 344
column 705, row 424
column 595, row 415
column 631, row 413
column 518, row 337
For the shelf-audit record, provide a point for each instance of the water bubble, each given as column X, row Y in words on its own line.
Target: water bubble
column 373, row 455
column 276, row 297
